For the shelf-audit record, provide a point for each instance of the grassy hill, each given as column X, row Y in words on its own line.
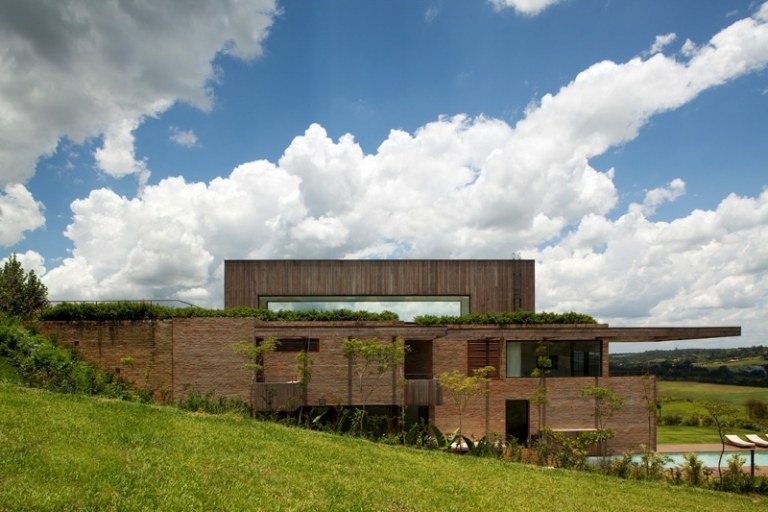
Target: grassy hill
column 68, row 452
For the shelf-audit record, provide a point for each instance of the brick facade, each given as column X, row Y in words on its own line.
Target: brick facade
column 178, row 356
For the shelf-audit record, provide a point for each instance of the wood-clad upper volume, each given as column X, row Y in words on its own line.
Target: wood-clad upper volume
column 491, row 286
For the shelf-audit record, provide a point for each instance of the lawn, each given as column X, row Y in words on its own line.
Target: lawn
column 64, row 452
column 685, row 398
column 684, row 394
column 8, row 372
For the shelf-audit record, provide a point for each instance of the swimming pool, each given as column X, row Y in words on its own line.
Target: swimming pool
column 710, row 458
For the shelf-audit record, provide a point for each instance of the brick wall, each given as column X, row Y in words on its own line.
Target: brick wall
column 181, row 355
column 141, row 352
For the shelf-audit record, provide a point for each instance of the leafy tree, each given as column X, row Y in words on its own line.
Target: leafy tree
column 304, row 370
column 462, row 387
column 370, row 360
column 607, row 402
column 723, row 415
column 254, row 355
column 22, row 294
column 651, row 406
column 539, row 397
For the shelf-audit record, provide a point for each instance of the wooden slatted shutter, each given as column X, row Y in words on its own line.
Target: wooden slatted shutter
column 482, row 353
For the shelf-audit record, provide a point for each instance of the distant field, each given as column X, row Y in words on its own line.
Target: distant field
column 683, row 398
column 735, row 363
column 679, row 397
column 64, row 452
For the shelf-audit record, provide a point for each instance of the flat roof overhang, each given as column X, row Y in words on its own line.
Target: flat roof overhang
column 586, row 332
column 612, row 334
column 523, row 332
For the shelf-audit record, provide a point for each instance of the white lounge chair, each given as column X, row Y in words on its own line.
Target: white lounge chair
column 759, row 441
column 738, row 442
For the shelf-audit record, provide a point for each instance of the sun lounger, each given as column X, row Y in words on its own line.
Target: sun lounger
column 738, row 442
column 759, row 441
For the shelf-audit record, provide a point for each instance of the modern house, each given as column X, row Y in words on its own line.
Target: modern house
column 181, row 355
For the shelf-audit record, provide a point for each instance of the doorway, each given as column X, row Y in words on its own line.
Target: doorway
column 517, row 420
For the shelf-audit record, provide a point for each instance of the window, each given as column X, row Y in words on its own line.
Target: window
column 405, row 306
column 559, row 359
column 482, row 353
column 418, row 359
column 297, row 345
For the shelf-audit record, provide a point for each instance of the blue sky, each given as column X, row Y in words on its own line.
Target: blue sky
column 621, row 144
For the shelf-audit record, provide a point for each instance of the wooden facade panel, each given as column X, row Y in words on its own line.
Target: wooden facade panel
column 492, row 285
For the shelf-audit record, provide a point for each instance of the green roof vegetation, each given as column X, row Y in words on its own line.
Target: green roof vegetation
column 509, row 318
column 136, row 310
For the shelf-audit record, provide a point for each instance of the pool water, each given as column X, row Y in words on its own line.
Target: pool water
column 710, row 458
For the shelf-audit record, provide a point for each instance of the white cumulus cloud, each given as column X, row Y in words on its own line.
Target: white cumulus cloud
column 661, row 42
column 80, row 69
column 19, row 213
column 186, row 138
column 461, row 187
column 530, row 7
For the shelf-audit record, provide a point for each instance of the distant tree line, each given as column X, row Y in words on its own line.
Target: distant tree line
column 698, row 365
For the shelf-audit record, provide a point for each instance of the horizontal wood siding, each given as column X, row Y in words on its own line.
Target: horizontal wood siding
column 492, row 285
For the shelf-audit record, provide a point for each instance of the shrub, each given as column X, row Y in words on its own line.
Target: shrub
column 670, row 419
column 623, row 467
column 44, row 364
column 141, row 310
column 756, row 409
column 694, row 420
column 213, row 404
column 509, row 318
column 692, row 469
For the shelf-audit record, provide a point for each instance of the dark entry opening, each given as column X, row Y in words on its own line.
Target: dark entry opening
column 418, row 359
column 517, row 420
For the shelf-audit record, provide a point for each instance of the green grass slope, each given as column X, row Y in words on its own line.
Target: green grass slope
column 684, row 392
column 73, row 453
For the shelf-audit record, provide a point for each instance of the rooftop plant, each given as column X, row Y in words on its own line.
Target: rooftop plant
column 137, row 310
column 140, row 310
column 509, row 318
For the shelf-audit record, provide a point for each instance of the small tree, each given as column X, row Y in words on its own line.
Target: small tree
column 304, row 371
column 22, row 294
column 539, row 397
column 254, row 355
column 723, row 415
column 607, row 402
column 650, row 404
column 370, row 359
column 462, row 387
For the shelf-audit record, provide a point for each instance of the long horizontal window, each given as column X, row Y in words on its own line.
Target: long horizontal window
column 405, row 306
column 557, row 359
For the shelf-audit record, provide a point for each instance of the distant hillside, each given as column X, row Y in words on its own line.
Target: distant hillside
column 744, row 366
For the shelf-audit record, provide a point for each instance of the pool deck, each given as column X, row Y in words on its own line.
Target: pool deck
column 687, row 448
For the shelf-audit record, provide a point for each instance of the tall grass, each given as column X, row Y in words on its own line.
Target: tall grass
column 76, row 453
